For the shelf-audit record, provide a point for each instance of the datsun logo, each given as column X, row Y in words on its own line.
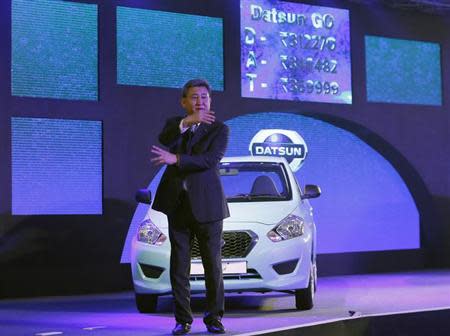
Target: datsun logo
column 278, row 142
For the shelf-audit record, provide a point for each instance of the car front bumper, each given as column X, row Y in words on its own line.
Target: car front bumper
column 260, row 261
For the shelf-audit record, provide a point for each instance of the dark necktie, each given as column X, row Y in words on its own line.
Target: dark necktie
column 186, row 141
column 190, row 136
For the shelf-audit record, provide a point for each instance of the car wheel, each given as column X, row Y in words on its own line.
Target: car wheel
column 304, row 298
column 146, row 303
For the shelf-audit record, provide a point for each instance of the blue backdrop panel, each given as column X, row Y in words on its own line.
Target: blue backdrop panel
column 54, row 49
column 56, row 166
column 165, row 49
column 403, row 71
column 365, row 204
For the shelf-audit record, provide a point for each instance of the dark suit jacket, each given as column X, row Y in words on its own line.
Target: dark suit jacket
column 198, row 166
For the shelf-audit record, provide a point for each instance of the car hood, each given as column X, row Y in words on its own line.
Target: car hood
column 261, row 212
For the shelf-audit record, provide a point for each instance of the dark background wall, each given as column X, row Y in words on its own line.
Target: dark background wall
column 69, row 254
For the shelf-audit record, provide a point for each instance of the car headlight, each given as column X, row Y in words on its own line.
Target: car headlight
column 149, row 233
column 290, row 227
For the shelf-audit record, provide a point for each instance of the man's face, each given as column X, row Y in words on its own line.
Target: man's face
column 196, row 100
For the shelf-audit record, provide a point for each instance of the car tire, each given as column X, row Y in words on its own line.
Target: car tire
column 304, row 298
column 146, row 303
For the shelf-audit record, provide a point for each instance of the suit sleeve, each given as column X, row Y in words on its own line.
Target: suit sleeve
column 170, row 133
column 211, row 157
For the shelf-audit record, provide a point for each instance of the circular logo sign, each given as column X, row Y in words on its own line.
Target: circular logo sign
column 279, row 142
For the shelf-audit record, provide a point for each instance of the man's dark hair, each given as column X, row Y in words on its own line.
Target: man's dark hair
column 198, row 82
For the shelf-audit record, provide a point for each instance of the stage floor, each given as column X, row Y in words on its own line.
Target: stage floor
column 337, row 298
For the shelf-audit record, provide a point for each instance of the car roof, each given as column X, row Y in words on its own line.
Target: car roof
column 256, row 158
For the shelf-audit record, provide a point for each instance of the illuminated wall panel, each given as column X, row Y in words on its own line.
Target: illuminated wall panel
column 54, row 49
column 165, row 49
column 56, row 166
column 403, row 71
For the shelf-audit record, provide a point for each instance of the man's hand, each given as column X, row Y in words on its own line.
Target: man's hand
column 199, row 116
column 162, row 156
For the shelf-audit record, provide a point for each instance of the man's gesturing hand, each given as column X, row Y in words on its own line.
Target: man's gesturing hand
column 162, row 156
column 199, row 116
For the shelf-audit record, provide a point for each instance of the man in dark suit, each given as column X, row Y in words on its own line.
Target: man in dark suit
column 191, row 195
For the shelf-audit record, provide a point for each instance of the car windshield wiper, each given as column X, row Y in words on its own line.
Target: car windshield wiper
column 250, row 197
column 241, row 196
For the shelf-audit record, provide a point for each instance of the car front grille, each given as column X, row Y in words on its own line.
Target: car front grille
column 238, row 244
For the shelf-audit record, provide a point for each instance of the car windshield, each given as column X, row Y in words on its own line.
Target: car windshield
column 255, row 181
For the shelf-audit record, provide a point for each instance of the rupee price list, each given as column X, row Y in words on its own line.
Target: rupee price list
column 294, row 51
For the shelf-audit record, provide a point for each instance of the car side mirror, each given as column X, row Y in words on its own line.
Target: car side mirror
column 143, row 196
column 311, row 191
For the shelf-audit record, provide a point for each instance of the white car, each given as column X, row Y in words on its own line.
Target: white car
column 269, row 239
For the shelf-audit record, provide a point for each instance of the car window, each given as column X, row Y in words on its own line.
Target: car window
column 255, row 181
